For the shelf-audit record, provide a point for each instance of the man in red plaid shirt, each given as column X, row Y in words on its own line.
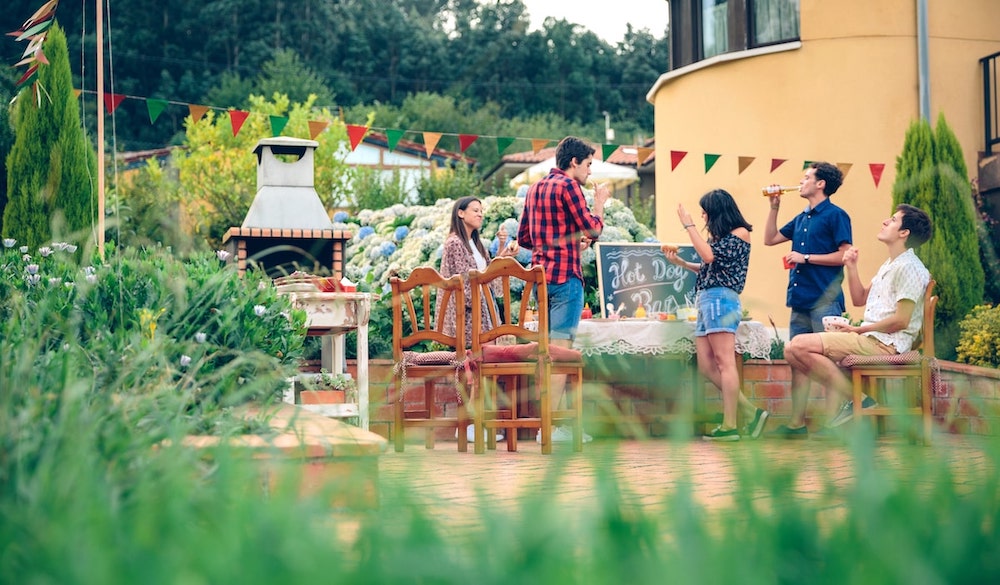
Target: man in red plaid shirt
column 555, row 226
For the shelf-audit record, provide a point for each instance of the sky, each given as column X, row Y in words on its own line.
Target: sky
column 605, row 18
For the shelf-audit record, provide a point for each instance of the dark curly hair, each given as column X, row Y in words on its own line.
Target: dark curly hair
column 572, row 147
column 825, row 171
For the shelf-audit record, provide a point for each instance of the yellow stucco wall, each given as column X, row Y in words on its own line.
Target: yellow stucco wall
column 845, row 95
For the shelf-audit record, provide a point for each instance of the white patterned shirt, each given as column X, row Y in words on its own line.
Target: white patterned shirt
column 902, row 278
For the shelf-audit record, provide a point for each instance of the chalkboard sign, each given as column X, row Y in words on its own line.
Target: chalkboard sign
column 630, row 275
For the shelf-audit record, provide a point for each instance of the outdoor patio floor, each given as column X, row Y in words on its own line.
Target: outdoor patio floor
column 453, row 486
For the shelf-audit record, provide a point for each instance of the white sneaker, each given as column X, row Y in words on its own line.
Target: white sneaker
column 470, row 434
column 562, row 435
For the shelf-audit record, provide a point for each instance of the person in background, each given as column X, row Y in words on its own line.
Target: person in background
column 820, row 235
column 464, row 251
column 893, row 311
column 722, row 274
column 555, row 226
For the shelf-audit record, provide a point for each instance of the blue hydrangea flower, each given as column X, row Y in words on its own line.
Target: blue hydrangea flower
column 524, row 256
column 340, row 216
column 387, row 249
column 401, row 232
column 365, row 231
column 494, row 247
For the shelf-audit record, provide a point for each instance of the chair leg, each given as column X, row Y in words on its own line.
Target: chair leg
column 429, row 406
column 926, row 403
column 463, row 421
column 544, row 383
column 398, row 435
column 477, row 415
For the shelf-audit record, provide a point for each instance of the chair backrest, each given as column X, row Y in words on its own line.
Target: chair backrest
column 507, row 271
column 925, row 341
column 424, row 288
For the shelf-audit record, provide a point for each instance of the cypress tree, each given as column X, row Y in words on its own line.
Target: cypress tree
column 6, row 137
column 52, row 166
column 931, row 174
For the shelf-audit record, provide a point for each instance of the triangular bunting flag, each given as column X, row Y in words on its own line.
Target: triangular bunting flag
column 356, row 133
column 77, row 93
column 393, row 137
column 538, row 144
column 876, row 170
column 710, row 160
column 236, row 119
column 744, row 162
column 806, row 163
column 44, row 11
column 844, row 168
column 503, row 142
column 607, row 150
column 278, row 124
column 196, row 112
column 643, row 154
column 431, row 141
column 676, row 156
column 112, row 101
column 777, row 162
column 155, row 108
column 466, row 140
column 29, row 76
column 316, row 127
column 34, row 30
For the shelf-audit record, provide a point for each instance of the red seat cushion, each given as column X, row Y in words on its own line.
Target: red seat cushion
column 909, row 358
column 526, row 352
column 429, row 358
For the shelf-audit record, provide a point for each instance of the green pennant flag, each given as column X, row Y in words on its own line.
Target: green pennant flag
column 394, row 137
column 278, row 124
column 710, row 160
column 805, row 164
column 607, row 150
column 503, row 142
column 155, row 107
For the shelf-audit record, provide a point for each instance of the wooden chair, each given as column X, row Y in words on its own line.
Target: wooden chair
column 532, row 357
column 411, row 329
column 916, row 368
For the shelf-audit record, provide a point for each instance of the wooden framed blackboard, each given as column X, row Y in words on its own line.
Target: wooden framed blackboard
column 632, row 274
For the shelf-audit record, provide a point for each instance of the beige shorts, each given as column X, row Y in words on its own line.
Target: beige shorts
column 839, row 344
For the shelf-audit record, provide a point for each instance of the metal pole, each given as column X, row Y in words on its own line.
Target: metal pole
column 922, row 61
column 100, row 128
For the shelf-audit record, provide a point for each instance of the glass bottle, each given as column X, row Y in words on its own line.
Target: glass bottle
column 779, row 190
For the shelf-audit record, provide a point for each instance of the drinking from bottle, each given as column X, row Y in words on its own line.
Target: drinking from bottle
column 772, row 190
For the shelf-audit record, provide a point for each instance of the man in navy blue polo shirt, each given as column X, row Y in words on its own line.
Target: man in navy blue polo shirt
column 820, row 235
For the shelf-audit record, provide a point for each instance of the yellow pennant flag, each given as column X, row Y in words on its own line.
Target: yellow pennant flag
column 744, row 163
column 196, row 112
column 316, row 127
column 844, row 168
column 538, row 144
column 643, row 154
column 430, row 142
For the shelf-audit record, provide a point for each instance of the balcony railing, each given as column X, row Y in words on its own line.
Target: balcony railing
column 990, row 113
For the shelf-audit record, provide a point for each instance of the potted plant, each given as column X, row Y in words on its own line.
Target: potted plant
column 325, row 388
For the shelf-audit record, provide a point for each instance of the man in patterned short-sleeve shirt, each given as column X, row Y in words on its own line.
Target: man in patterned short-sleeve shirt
column 893, row 310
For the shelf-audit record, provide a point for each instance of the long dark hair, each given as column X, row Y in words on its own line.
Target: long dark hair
column 458, row 226
column 723, row 214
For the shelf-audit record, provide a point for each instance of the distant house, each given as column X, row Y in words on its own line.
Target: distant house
column 766, row 85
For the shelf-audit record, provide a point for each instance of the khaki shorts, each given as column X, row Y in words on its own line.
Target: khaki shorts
column 839, row 344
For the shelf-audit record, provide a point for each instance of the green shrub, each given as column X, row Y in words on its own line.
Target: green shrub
column 979, row 337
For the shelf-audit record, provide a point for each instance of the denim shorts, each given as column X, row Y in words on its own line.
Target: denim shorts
column 811, row 321
column 719, row 311
column 565, row 307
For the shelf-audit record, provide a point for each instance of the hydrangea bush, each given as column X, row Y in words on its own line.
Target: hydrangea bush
column 395, row 240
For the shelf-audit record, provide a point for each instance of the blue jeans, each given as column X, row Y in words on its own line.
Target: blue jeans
column 719, row 311
column 565, row 307
column 811, row 321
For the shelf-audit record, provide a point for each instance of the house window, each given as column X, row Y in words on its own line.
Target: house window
column 714, row 27
column 774, row 21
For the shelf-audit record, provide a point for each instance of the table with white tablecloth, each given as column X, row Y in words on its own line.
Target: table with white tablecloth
column 656, row 337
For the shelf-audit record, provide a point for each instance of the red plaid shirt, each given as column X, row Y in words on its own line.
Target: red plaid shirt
column 555, row 218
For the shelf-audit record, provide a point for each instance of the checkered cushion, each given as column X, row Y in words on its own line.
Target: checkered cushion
column 526, row 351
column 909, row 358
column 429, row 358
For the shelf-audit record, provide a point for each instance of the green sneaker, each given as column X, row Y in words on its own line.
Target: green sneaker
column 720, row 434
column 786, row 432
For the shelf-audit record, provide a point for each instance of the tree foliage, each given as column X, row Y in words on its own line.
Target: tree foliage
column 931, row 174
column 52, row 166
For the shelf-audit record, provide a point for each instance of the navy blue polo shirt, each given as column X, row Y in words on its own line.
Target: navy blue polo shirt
column 820, row 230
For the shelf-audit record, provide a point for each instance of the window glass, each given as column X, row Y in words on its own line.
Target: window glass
column 715, row 27
column 775, row 21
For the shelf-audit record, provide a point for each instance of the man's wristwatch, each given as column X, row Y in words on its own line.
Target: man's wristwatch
column 806, row 258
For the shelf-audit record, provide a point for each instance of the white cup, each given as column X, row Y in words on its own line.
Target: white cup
column 830, row 321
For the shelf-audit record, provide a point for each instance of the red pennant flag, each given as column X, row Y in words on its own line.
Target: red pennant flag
column 466, row 140
column 876, row 170
column 112, row 101
column 236, row 119
column 196, row 112
column 676, row 156
column 431, row 141
column 777, row 162
column 744, row 162
column 356, row 133
column 316, row 127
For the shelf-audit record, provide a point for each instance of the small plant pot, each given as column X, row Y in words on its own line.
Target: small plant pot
column 322, row 397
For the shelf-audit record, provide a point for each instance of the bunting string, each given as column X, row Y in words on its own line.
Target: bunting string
column 431, row 139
